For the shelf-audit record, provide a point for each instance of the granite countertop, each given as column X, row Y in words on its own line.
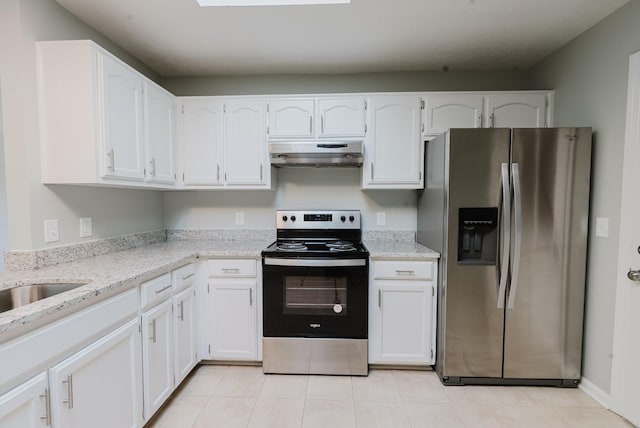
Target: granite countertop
column 107, row 275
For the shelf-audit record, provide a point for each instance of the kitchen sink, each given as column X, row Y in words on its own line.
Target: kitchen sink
column 15, row 297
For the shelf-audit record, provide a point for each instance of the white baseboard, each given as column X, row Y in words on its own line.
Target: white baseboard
column 595, row 392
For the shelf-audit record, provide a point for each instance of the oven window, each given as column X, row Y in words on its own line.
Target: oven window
column 317, row 295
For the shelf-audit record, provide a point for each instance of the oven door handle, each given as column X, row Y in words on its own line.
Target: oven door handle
column 314, row 262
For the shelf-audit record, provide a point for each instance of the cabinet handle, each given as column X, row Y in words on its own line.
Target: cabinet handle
column 491, row 120
column 371, row 171
column 310, row 124
column 188, row 276
column 379, row 298
column 182, row 311
column 153, row 331
column 405, row 272
column 153, row 167
column 251, row 297
column 479, row 121
column 260, row 172
column 218, row 174
column 47, row 407
column 69, row 383
column 231, row 270
column 163, row 289
column 112, row 161
column 322, row 124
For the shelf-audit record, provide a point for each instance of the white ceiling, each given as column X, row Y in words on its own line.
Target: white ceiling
column 179, row 38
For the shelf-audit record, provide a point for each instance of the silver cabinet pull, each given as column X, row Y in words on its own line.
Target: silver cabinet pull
column 188, row 276
column 251, row 297
column 479, row 121
column 152, row 169
column 47, row 407
column 153, row 331
column 379, row 298
column 633, row 275
column 371, row 171
column 310, row 125
column 112, row 163
column 260, row 172
column 163, row 289
column 322, row 124
column 230, row 270
column 69, row 383
column 491, row 120
column 218, row 174
column 405, row 272
column 182, row 311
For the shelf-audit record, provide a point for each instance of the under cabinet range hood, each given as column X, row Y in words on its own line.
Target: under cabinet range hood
column 315, row 153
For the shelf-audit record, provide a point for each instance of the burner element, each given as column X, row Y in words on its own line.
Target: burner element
column 341, row 246
column 291, row 246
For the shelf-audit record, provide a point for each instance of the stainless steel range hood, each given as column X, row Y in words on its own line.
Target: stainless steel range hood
column 315, row 153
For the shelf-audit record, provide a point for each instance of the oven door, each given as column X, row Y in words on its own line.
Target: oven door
column 320, row 298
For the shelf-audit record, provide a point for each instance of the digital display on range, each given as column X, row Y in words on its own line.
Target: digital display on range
column 318, row 217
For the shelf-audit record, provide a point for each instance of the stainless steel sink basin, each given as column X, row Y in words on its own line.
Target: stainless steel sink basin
column 15, row 297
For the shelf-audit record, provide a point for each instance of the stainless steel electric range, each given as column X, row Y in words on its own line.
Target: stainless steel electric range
column 315, row 291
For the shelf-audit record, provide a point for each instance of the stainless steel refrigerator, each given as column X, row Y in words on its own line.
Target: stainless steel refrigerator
column 508, row 211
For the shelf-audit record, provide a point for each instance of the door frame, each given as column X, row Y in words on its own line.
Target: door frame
column 629, row 230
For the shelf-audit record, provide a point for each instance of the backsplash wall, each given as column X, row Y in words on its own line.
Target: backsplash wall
column 295, row 188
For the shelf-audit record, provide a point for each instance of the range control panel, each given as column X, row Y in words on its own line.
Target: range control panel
column 321, row 219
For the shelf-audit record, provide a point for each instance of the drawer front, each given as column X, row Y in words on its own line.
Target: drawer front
column 155, row 290
column 183, row 277
column 399, row 269
column 230, row 268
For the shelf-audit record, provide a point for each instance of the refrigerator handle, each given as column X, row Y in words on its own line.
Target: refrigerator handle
column 517, row 239
column 506, row 233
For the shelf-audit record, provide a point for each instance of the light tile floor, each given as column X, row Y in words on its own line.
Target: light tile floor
column 237, row 396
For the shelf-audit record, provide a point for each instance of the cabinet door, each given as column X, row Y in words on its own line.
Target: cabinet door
column 402, row 322
column 184, row 333
column 245, row 146
column 100, row 386
column 290, row 118
column 160, row 134
column 342, row 117
column 393, row 154
column 447, row 111
column 201, row 142
column 26, row 406
column 157, row 356
column 516, row 110
column 233, row 303
column 122, row 121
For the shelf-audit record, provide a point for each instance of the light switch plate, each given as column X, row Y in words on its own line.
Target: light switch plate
column 85, row 227
column 239, row 218
column 381, row 218
column 51, row 232
column 602, row 227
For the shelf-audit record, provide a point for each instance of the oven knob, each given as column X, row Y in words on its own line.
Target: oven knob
column 343, row 219
column 293, row 218
column 351, row 218
column 284, row 218
column 337, row 308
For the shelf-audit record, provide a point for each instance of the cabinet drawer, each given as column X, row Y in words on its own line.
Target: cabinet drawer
column 183, row 277
column 398, row 269
column 232, row 268
column 155, row 290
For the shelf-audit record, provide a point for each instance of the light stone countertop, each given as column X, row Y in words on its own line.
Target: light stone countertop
column 108, row 275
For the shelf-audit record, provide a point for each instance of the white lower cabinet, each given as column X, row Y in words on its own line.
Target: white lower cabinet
column 27, row 405
column 99, row 386
column 402, row 312
column 157, row 352
column 185, row 338
column 232, row 309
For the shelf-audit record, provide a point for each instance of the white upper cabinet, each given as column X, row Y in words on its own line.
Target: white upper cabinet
column 99, row 119
column 246, row 161
column 452, row 111
column 290, row 118
column 201, row 148
column 393, row 145
column 518, row 110
column 160, row 134
column 342, row 117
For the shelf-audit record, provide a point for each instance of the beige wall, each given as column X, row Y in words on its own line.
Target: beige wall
column 114, row 212
column 589, row 76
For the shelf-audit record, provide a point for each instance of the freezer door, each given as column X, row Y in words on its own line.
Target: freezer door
column 543, row 320
column 473, row 320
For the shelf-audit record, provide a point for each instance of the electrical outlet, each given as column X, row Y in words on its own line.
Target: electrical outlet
column 381, row 218
column 85, row 227
column 51, row 232
column 239, row 218
column 602, row 227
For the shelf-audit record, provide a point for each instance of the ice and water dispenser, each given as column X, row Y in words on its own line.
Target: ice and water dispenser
column 478, row 236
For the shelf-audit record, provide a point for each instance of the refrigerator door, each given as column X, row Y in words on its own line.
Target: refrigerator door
column 473, row 318
column 545, row 301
